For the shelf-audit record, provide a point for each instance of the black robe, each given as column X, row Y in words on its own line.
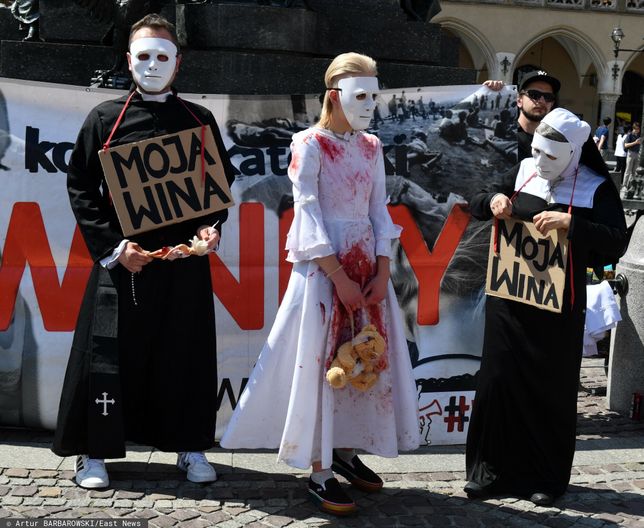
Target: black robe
column 521, row 437
column 145, row 343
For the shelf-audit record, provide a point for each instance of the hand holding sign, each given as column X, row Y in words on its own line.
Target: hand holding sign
column 133, row 258
column 549, row 220
column 526, row 266
column 501, row 206
column 210, row 235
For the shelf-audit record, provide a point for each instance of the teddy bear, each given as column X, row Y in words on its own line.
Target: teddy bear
column 358, row 361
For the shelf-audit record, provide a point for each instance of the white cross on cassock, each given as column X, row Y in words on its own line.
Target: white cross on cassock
column 105, row 401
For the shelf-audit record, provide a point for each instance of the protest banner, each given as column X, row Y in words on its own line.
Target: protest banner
column 527, row 266
column 439, row 144
column 159, row 181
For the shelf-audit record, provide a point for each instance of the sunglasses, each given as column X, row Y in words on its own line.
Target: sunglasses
column 535, row 95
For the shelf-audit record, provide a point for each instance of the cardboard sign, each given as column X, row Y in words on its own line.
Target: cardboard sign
column 158, row 182
column 529, row 268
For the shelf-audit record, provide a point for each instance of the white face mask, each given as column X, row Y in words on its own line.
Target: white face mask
column 357, row 99
column 153, row 63
column 550, row 169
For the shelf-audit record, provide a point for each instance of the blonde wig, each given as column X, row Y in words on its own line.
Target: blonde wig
column 345, row 65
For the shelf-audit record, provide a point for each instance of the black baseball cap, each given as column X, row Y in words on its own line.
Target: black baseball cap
column 540, row 75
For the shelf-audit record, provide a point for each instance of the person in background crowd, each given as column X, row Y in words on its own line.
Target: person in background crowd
column 601, row 137
column 632, row 144
column 620, row 154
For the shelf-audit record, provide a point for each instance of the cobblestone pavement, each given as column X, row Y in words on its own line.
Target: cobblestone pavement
column 600, row 495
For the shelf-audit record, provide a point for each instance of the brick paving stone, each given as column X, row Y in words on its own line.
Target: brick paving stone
column 45, row 482
column 558, row 522
column 609, row 517
column 22, row 481
column 68, row 514
column 255, row 524
column 245, row 518
column 11, row 501
column 75, row 493
column 126, row 494
column 146, row 513
column 36, row 513
column 54, row 502
column 196, row 523
column 277, row 520
column 33, row 501
column 101, row 494
column 163, row 521
column 16, row 473
column 216, row 517
column 185, row 514
column 209, row 506
column 254, row 504
column 412, row 520
column 102, row 503
column 79, row 503
column 590, row 522
column 123, row 503
column 163, row 503
column 160, row 496
column 143, row 504
column 42, row 473
column 184, row 503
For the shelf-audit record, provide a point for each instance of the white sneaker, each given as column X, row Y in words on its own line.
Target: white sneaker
column 91, row 472
column 197, row 466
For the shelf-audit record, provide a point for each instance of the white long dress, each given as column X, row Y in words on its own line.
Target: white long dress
column 340, row 208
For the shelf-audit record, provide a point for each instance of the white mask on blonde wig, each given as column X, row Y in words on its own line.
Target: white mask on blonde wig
column 550, row 157
column 357, row 99
column 153, row 63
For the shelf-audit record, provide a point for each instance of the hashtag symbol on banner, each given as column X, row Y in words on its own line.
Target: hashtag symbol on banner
column 456, row 414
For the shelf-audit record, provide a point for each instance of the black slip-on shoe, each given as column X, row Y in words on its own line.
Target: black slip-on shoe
column 357, row 473
column 331, row 498
column 475, row 491
column 542, row 499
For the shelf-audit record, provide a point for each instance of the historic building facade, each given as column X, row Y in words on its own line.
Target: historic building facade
column 571, row 39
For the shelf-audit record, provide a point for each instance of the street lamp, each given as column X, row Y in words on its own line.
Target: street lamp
column 617, row 35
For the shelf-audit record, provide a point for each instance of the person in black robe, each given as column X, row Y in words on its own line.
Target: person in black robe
column 143, row 365
column 521, row 438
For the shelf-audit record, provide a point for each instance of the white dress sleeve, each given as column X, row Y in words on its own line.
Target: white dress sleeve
column 383, row 227
column 307, row 239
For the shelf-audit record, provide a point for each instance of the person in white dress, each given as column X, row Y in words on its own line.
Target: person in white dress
column 339, row 244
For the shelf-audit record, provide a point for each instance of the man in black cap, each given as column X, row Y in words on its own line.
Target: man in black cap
column 537, row 96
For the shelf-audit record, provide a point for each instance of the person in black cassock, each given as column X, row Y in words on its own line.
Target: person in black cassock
column 143, row 365
column 521, row 438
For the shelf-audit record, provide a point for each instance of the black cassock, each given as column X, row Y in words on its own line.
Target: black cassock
column 521, row 437
column 143, row 364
